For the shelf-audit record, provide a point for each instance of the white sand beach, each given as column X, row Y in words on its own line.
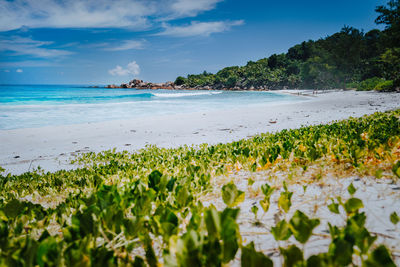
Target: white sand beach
column 52, row 147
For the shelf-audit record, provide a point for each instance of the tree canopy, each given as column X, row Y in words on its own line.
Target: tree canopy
column 342, row 60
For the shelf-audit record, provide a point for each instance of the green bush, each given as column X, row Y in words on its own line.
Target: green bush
column 384, row 86
column 352, row 85
column 180, row 80
column 369, row 84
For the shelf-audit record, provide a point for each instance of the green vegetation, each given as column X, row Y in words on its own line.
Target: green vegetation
column 366, row 61
column 145, row 208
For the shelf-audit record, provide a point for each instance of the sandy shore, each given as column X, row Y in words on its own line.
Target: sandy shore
column 52, row 147
column 380, row 198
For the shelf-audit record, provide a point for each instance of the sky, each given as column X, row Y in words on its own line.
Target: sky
column 98, row 42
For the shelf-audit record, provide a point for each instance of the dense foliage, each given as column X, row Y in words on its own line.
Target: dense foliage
column 143, row 208
column 342, row 60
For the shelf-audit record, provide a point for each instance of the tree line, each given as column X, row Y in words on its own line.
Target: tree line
column 347, row 59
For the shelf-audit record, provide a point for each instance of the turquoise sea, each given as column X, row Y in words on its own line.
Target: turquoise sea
column 28, row 106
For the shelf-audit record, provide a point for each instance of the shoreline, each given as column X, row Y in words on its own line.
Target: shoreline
column 52, row 147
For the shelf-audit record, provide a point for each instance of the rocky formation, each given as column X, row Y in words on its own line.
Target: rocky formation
column 139, row 84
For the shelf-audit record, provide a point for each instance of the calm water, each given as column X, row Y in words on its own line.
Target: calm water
column 26, row 106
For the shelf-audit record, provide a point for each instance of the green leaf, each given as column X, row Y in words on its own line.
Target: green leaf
column 356, row 233
column 334, row 231
column 292, row 256
column 351, row 189
column 378, row 173
column 267, row 190
column 48, row 253
column 151, row 257
column 3, row 234
column 154, row 180
column 169, row 222
column 319, row 260
column 334, row 207
column 302, row 227
column 281, row 231
column 396, row 169
column 394, row 218
column 254, row 210
column 252, row 258
column 213, row 222
column 170, row 184
column 353, row 205
column 265, row 203
column 13, row 208
column 230, row 236
column 380, row 257
column 250, row 181
column 139, row 262
column 183, row 197
column 284, row 201
column 341, row 251
column 231, row 195
column 187, row 249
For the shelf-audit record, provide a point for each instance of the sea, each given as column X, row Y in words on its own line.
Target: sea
column 32, row 106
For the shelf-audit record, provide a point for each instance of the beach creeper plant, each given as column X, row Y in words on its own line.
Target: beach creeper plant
column 145, row 208
column 267, row 191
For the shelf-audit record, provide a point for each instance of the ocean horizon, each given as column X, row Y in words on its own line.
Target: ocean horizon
column 33, row 106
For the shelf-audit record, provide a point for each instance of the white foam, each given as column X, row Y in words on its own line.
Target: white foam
column 170, row 95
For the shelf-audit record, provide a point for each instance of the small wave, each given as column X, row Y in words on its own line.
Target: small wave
column 172, row 95
column 69, row 99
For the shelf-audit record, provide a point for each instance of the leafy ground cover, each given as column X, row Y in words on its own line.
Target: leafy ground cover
column 160, row 206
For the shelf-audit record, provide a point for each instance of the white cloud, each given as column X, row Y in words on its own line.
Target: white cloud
column 190, row 8
column 127, row 45
column 27, row 46
column 28, row 63
column 132, row 14
column 131, row 69
column 196, row 28
column 74, row 13
column 19, row 70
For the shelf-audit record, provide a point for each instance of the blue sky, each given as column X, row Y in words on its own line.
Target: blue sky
column 103, row 42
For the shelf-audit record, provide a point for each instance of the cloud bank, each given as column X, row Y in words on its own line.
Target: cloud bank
column 74, row 14
column 196, row 28
column 27, row 46
column 191, row 8
column 131, row 69
column 126, row 45
column 134, row 14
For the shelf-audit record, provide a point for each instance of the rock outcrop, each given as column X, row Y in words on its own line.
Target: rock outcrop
column 139, row 84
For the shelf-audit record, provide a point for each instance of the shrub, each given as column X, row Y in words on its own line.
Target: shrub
column 180, row 80
column 384, row 86
column 352, row 85
column 369, row 84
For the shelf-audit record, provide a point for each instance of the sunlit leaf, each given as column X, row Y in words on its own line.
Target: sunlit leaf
column 284, row 201
column 231, row 195
column 351, row 189
column 265, row 203
column 334, row 207
column 281, row 231
column 353, row 205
